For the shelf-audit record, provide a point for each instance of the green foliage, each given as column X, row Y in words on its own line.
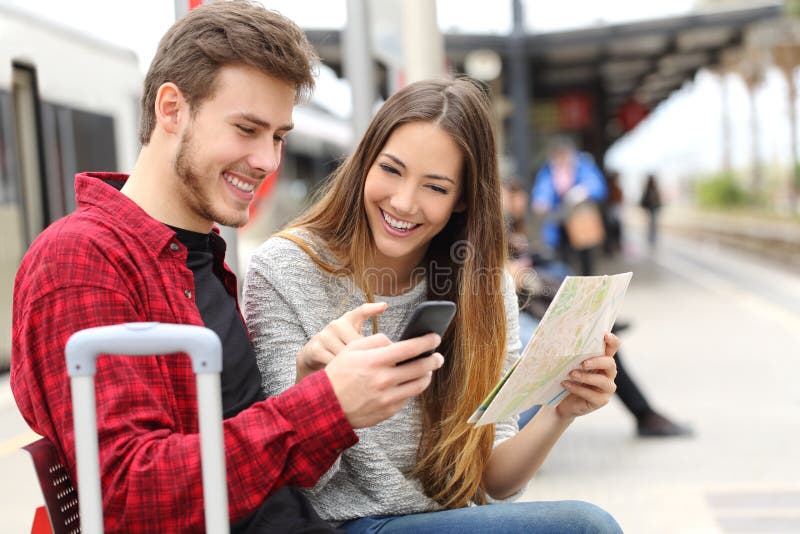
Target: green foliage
column 792, row 8
column 721, row 191
column 797, row 176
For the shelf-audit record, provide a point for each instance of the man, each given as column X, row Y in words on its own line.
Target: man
column 216, row 108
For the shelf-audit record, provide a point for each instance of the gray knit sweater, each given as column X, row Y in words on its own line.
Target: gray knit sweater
column 287, row 300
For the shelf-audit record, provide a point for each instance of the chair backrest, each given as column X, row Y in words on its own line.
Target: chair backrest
column 60, row 496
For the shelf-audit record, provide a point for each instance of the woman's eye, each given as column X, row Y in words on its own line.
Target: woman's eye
column 438, row 189
column 388, row 168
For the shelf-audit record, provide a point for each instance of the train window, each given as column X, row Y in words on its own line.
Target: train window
column 74, row 141
column 8, row 192
column 57, row 193
column 95, row 149
column 25, row 102
column 42, row 146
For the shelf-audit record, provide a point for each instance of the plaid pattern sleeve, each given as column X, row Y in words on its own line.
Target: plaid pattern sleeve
column 76, row 276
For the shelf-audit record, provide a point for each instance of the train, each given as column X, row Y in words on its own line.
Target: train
column 69, row 103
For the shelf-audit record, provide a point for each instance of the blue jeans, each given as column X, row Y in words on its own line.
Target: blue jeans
column 554, row 517
column 527, row 327
column 526, row 416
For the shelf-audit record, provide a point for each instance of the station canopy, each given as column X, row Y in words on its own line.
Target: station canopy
column 604, row 72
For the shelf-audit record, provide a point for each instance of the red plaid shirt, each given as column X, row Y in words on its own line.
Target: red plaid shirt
column 107, row 263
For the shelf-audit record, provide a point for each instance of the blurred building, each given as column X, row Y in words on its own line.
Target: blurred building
column 67, row 102
column 593, row 84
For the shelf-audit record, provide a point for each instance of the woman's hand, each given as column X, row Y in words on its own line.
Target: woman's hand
column 331, row 340
column 591, row 386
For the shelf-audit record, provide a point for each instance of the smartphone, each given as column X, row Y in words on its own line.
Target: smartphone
column 429, row 316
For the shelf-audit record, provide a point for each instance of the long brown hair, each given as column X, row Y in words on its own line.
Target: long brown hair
column 464, row 264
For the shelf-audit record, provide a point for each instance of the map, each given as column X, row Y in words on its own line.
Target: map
column 572, row 329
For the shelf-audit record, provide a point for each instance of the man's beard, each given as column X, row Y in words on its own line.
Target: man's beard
column 194, row 195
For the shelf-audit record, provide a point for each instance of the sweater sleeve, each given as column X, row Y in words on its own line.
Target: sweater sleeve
column 508, row 428
column 281, row 280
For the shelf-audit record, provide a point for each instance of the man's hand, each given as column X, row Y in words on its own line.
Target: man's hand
column 331, row 340
column 371, row 386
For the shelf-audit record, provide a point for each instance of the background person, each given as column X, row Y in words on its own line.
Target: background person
column 565, row 194
column 651, row 202
column 537, row 279
column 612, row 215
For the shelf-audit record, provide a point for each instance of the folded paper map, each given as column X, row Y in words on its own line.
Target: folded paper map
column 572, row 330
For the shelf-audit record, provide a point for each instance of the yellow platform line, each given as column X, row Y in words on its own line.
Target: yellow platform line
column 13, row 444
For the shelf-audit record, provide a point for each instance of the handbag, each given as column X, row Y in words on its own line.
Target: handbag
column 584, row 226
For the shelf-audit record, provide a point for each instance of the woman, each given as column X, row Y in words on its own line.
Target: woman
column 415, row 214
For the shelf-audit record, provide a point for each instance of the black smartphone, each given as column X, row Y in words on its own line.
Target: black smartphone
column 429, row 316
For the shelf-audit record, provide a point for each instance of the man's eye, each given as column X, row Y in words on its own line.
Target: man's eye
column 280, row 138
column 245, row 129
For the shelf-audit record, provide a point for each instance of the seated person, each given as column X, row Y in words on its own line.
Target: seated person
column 414, row 214
column 537, row 279
column 217, row 103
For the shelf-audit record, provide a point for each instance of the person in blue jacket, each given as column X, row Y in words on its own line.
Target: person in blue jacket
column 564, row 181
column 567, row 179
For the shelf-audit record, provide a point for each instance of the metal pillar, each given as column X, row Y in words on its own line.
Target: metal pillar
column 794, row 185
column 358, row 65
column 423, row 44
column 787, row 57
column 181, row 8
column 756, row 180
column 518, row 86
column 726, row 123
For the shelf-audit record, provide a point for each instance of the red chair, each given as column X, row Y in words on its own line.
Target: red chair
column 60, row 496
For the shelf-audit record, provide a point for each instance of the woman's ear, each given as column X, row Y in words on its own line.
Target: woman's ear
column 168, row 106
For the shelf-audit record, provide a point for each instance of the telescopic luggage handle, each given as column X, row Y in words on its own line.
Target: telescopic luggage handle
column 139, row 339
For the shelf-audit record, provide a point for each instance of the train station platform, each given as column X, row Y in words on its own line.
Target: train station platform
column 766, row 235
column 712, row 343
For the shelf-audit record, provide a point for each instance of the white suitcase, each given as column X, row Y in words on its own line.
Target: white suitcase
column 136, row 339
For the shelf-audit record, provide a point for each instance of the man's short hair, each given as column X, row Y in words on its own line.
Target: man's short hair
column 221, row 33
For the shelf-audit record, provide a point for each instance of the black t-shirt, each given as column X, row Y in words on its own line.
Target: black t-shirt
column 286, row 510
column 241, row 379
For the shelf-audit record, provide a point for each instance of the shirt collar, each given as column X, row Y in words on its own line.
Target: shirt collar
column 98, row 190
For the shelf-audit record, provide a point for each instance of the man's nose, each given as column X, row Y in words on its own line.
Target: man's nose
column 265, row 161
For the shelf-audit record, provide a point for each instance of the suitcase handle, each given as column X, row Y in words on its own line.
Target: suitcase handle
column 140, row 339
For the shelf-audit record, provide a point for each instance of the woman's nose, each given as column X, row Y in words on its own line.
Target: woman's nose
column 403, row 201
